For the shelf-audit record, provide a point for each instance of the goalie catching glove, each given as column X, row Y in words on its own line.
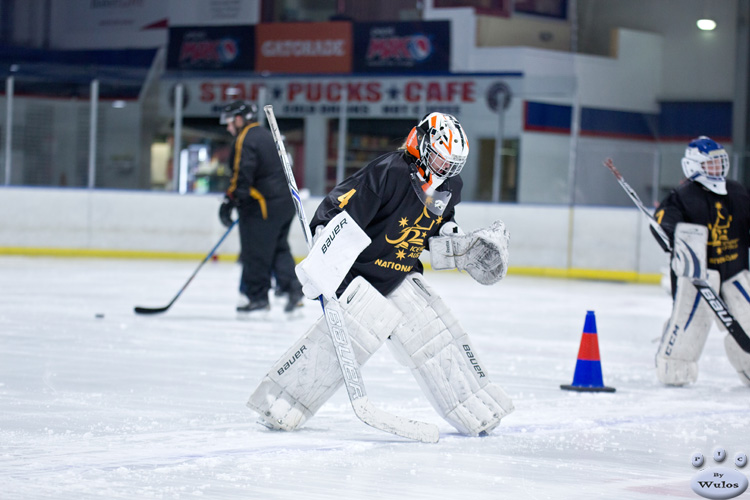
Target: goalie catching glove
column 482, row 253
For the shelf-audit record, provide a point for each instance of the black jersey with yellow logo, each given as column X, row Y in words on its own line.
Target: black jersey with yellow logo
column 727, row 218
column 380, row 197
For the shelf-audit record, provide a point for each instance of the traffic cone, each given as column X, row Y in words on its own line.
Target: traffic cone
column 588, row 375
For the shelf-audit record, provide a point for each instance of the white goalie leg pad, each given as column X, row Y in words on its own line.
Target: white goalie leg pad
column 736, row 294
column 738, row 358
column 685, row 334
column 308, row 374
column 442, row 358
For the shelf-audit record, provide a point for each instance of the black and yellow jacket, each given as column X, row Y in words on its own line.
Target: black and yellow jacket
column 258, row 183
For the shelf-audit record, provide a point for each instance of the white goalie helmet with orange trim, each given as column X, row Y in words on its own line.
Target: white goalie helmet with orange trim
column 439, row 143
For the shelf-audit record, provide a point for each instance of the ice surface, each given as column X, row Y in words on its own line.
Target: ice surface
column 132, row 407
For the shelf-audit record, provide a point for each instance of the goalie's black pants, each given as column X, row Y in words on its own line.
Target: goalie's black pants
column 265, row 251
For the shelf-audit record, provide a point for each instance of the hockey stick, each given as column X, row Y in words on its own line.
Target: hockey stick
column 712, row 298
column 363, row 408
column 633, row 196
column 155, row 310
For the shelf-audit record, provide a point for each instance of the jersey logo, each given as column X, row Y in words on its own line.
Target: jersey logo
column 410, row 241
column 718, row 237
column 411, row 238
column 717, row 230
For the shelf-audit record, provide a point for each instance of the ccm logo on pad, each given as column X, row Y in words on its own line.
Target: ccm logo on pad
column 332, row 235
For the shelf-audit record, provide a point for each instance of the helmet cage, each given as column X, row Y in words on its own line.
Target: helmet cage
column 441, row 166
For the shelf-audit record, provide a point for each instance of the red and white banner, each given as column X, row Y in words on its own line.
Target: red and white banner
column 384, row 97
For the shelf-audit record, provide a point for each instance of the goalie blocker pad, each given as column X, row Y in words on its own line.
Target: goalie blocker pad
column 736, row 294
column 444, row 361
column 689, row 255
column 332, row 254
column 308, row 373
column 483, row 253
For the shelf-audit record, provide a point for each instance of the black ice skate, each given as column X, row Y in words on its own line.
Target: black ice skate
column 295, row 300
column 253, row 306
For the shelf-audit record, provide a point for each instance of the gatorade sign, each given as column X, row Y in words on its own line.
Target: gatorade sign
column 304, row 47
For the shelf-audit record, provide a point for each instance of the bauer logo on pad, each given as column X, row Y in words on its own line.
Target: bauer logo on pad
column 341, row 241
column 332, row 234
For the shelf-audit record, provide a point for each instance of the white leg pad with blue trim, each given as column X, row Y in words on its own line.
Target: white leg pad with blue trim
column 736, row 293
column 685, row 335
column 444, row 361
column 308, row 374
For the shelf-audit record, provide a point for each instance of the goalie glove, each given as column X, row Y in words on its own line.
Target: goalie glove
column 482, row 253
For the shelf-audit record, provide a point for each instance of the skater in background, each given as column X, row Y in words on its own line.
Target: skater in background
column 378, row 221
column 258, row 191
column 708, row 222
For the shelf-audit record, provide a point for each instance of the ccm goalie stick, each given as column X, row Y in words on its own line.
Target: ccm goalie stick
column 712, row 298
column 155, row 310
column 638, row 203
column 363, row 408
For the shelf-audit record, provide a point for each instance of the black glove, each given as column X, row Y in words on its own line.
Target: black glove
column 225, row 211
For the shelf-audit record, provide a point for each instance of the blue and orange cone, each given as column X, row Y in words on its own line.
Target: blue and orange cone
column 588, row 374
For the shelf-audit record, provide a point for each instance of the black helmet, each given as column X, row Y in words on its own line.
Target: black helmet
column 246, row 109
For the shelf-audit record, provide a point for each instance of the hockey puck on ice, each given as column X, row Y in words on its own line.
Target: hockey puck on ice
column 99, row 315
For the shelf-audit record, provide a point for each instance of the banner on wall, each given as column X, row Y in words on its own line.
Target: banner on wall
column 385, row 97
column 224, row 48
column 311, row 48
column 399, row 47
column 108, row 24
column 213, row 12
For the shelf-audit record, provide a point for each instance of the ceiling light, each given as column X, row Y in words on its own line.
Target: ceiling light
column 706, row 24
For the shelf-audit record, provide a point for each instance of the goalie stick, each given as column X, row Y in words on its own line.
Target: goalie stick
column 634, row 196
column 712, row 298
column 363, row 408
column 155, row 310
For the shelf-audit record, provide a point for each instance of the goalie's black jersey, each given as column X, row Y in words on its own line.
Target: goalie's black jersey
column 727, row 218
column 381, row 199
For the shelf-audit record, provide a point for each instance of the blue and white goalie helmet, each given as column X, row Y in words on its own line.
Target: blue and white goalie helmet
column 707, row 162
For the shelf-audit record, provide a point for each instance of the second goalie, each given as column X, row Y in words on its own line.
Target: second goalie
column 398, row 205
